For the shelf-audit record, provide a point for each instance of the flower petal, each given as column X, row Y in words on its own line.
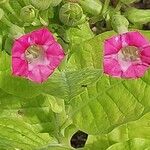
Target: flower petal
column 112, row 67
column 55, row 50
column 40, row 73
column 19, row 67
column 41, row 37
column 112, row 45
column 135, row 71
column 135, row 39
column 20, row 45
column 145, row 54
column 35, row 75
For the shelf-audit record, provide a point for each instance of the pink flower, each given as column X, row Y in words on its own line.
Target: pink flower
column 126, row 55
column 36, row 55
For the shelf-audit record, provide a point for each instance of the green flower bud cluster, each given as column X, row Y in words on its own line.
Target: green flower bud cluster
column 71, row 14
column 28, row 13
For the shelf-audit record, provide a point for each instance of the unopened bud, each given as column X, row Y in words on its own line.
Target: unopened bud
column 27, row 13
column 70, row 14
column 119, row 23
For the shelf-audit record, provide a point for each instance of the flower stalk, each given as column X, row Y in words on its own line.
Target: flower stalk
column 4, row 19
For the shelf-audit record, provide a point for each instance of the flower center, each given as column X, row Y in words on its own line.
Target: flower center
column 33, row 53
column 130, row 53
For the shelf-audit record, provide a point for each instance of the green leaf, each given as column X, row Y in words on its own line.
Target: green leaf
column 69, row 84
column 88, row 54
column 4, row 61
column 77, row 35
column 18, row 86
column 56, row 147
column 38, row 114
column 134, row 144
column 125, row 132
column 15, row 134
column 111, row 101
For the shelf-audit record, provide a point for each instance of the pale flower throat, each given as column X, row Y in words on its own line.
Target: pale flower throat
column 130, row 53
column 33, row 53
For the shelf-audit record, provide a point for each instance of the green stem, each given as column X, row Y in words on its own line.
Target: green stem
column 1, row 42
column 22, row 4
column 118, row 6
column 6, row 21
column 26, row 2
column 104, row 10
column 105, row 6
column 11, row 10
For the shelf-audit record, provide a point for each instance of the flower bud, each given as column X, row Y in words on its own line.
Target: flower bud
column 138, row 15
column 119, row 23
column 28, row 14
column 41, row 4
column 91, row 6
column 70, row 14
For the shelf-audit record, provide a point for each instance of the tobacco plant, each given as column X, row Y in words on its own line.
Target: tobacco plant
column 74, row 65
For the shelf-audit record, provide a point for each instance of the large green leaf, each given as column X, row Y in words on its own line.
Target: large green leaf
column 125, row 132
column 35, row 111
column 111, row 101
column 15, row 134
column 43, row 113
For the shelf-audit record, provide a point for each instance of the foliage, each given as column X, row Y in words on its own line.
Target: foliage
column 114, row 112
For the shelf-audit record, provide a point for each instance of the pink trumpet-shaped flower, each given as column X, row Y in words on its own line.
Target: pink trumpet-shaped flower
column 36, row 55
column 126, row 55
